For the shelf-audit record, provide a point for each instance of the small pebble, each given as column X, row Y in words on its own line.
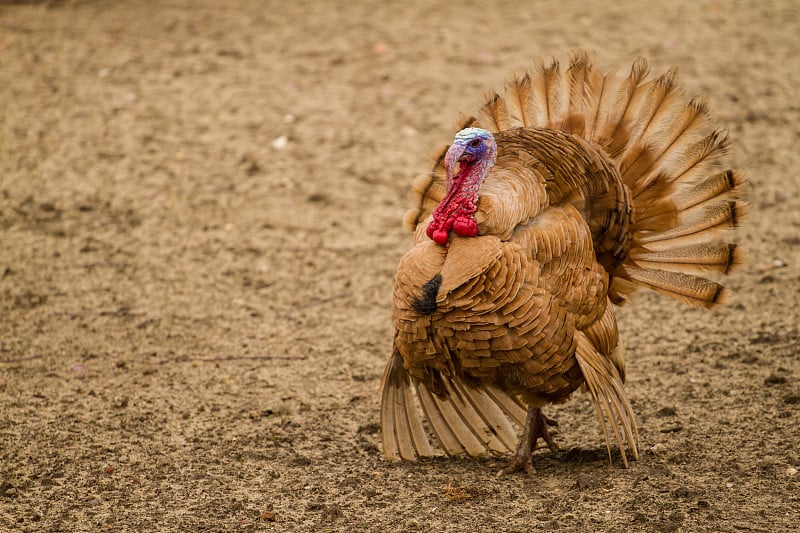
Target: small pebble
column 791, row 471
column 280, row 143
column 658, row 448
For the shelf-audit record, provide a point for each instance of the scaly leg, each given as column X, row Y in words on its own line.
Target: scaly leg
column 536, row 425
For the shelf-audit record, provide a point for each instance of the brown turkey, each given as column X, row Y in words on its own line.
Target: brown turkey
column 569, row 192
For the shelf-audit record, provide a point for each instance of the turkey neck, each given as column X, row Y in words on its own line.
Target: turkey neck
column 456, row 211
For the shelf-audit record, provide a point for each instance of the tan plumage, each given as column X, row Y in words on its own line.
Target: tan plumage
column 603, row 182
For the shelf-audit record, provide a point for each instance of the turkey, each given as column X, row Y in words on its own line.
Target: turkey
column 567, row 193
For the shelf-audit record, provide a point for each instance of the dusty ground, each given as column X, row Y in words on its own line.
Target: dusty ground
column 194, row 317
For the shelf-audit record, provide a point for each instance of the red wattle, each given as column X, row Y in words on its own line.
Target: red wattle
column 456, row 211
column 440, row 237
column 431, row 228
column 465, row 227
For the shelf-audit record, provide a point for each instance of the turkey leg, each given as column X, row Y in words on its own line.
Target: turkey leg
column 536, row 425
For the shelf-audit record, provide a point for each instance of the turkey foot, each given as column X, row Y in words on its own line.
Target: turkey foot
column 536, row 425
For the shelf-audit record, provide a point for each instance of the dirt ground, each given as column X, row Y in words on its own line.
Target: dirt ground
column 200, row 218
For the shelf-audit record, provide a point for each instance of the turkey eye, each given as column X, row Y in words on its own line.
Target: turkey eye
column 474, row 143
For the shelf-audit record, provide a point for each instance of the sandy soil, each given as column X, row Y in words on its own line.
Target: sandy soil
column 199, row 223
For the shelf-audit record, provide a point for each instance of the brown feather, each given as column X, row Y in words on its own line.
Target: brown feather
column 521, row 94
column 578, row 84
column 605, row 385
column 496, row 112
column 613, row 131
column 698, row 258
column 538, row 106
column 554, row 99
column 692, row 290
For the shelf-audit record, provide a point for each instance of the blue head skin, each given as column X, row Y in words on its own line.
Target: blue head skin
column 472, row 147
column 467, row 163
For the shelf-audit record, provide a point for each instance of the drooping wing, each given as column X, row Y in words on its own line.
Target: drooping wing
column 416, row 423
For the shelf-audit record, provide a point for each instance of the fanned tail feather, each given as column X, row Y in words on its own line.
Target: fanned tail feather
column 579, row 78
column 692, row 290
column 520, row 94
column 496, row 113
column 644, row 115
column 696, row 224
column 692, row 259
column 680, row 127
column 613, row 106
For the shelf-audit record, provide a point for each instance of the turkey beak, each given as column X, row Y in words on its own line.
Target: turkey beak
column 452, row 161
